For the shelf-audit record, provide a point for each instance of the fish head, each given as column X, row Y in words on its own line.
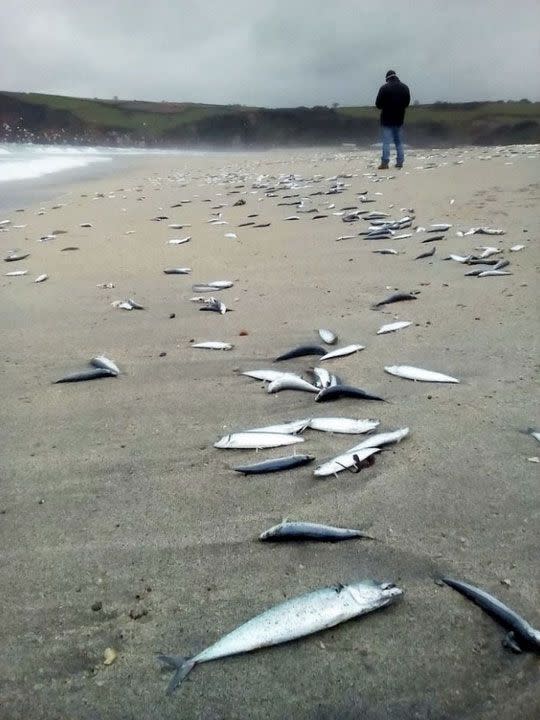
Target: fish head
column 373, row 593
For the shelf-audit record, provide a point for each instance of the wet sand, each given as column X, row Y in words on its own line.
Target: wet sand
column 113, row 496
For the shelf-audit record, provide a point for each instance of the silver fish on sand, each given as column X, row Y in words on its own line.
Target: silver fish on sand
column 41, row 278
column 16, row 273
column 128, row 304
column 177, row 271
column 256, row 440
column 493, row 273
column 348, row 426
column 328, row 336
column 414, row 373
column 100, row 361
column 385, row 251
column 392, row 327
column 341, row 352
column 269, row 375
column 213, row 345
column 291, row 383
column 345, row 460
column 363, row 450
column 295, row 618
column 291, row 530
column 93, row 373
column 179, row 241
column 274, row 465
column 220, row 284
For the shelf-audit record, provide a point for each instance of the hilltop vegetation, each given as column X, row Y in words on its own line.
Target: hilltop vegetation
column 54, row 118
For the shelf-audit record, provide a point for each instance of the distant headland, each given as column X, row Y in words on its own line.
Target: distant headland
column 33, row 117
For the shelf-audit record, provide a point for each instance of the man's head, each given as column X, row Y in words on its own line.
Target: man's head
column 390, row 74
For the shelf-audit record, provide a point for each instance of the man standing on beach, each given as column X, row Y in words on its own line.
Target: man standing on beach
column 392, row 99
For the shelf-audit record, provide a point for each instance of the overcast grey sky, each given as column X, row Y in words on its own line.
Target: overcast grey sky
column 271, row 52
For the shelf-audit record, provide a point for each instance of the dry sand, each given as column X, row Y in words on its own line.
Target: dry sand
column 112, row 491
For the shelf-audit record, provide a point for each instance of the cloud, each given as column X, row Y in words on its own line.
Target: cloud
column 276, row 53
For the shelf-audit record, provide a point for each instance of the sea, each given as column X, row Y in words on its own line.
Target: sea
column 32, row 173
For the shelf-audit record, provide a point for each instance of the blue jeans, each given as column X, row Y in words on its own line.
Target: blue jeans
column 390, row 134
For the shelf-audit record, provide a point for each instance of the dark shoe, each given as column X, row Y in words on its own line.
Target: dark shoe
column 399, row 165
column 383, row 166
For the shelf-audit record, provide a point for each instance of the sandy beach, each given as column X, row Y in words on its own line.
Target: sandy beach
column 123, row 527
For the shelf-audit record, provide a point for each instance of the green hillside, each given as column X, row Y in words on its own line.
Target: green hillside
column 54, row 118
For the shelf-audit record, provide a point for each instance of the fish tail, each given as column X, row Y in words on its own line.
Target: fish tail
column 182, row 667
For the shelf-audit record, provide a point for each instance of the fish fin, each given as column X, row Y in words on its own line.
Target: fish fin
column 509, row 641
column 182, row 667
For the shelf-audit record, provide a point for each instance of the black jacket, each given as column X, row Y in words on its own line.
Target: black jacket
column 392, row 99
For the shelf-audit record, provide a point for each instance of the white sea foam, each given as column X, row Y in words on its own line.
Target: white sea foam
column 24, row 161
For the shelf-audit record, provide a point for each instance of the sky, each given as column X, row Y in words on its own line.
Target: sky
column 273, row 53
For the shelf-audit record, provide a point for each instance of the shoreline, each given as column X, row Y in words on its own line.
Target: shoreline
column 114, row 497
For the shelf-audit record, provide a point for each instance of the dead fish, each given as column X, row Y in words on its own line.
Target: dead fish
column 395, row 297
column 68, row 248
column 484, row 231
column 88, row 374
column 213, row 345
column 501, row 264
column 16, row 273
column 341, row 352
column 128, row 304
column 14, row 257
column 493, row 273
column 295, row 530
column 344, row 461
column 430, row 253
column 177, row 271
column 338, row 391
column 488, row 251
column 179, row 226
column 385, row 251
column 434, row 238
column 413, row 373
column 392, row 327
column 290, row 620
column 268, row 375
column 220, row 284
column 345, row 237
column 275, row 465
column 215, row 305
column 41, row 278
column 439, row 227
column 203, row 288
column 179, row 241
column 100, row 361
column 301, row 351
column 516, row 248
column 459, row 258
column 360, row 452
column 521, row 636
column 348, row 426
column 86, row 225
column 291, row 383
column 256, row 440
column 328, row 336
